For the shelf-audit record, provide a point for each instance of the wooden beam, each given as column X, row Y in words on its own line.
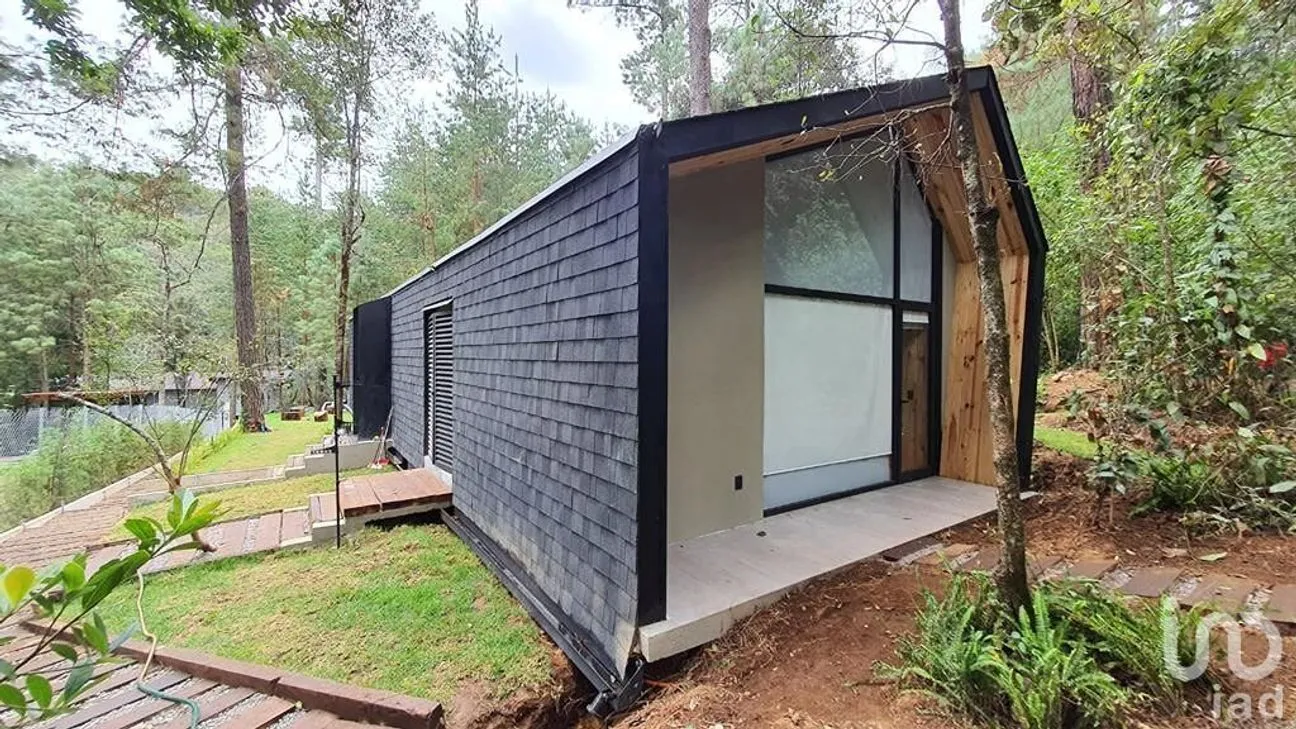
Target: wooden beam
column 792, row 142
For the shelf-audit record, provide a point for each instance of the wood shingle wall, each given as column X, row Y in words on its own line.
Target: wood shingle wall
column 546, row 439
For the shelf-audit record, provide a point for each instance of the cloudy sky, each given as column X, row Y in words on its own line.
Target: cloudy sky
column 573, row 52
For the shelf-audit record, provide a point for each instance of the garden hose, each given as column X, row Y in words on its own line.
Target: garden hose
column 195, row 711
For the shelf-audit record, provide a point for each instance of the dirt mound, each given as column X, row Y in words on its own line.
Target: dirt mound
column 1058, row 387
column 560, row 705
column 807, row 661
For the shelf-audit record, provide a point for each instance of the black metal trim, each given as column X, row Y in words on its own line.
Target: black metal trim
column 696, row 136
column 936, row 341
column 1038, row 247
column 614, row 692
column 843, row 296
column 897, row 325
column 650, row 543
column 775, row 511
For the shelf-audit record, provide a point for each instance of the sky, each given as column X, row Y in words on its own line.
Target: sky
column 574, row 53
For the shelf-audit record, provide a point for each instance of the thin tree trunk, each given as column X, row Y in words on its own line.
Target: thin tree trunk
column 699, row 49
column 240, row 248
column 163, row 461
column 352, row 219
column 984, row 219
column 1090, row 100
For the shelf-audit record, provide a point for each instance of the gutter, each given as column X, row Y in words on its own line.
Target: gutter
column 614, row 693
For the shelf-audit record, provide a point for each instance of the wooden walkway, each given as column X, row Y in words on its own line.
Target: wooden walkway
column 229, row 693
column 365, row 498
column 393, row 493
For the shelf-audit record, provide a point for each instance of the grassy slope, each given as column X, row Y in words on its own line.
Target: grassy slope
column 409, row 610
column 1066, row 441
column 251, row 450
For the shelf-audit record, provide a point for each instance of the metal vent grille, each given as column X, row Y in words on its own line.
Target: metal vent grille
column 439, row 338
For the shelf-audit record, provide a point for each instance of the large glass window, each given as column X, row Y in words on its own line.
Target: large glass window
column 915, row 241
column 828, row 219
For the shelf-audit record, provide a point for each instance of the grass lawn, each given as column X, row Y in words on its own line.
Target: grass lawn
column 1066, row 441
column 409, row 610
column 251, row 450
column 254, row 499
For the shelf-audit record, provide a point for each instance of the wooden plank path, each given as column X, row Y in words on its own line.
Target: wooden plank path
column 395, row 491
column 228, row 693
column 385, row 495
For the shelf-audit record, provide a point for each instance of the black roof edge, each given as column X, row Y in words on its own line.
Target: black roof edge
column 698, row 135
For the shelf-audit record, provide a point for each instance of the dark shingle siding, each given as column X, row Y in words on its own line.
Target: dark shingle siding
column 546, row 350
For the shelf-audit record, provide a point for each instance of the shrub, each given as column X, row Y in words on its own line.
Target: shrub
column 1080, row 657
column 1240, row 481
column 74, row 461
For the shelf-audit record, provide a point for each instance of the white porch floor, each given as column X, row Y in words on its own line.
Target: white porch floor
column 714, row 580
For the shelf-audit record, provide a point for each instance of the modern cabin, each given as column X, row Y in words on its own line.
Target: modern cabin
column 727, row 354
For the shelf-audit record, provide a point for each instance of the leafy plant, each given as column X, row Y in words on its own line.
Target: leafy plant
column 68, row 598
column 1079, row 657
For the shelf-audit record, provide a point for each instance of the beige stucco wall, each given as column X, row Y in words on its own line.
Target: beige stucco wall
column 716, row 370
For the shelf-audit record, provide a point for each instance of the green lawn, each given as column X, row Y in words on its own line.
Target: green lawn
column 241, row 450
column 257, row 498
column 409, row 610
column 1066, row 441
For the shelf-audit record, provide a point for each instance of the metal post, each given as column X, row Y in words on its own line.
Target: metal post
column 337, row 455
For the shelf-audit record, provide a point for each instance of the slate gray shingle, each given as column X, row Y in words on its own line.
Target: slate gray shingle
column 546, row 350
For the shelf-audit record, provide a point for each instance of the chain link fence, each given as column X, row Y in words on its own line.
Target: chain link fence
column 21, row 428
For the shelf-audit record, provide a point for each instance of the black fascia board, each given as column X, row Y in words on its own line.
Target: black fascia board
column 699, row 135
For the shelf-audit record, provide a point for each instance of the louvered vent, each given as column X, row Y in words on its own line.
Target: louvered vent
column 439, row 338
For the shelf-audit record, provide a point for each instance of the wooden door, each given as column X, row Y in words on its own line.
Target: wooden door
column 914, row 398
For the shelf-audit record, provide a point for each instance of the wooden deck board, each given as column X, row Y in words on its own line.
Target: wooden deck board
column 262, row 715
column 212, row 705
column 393, row 490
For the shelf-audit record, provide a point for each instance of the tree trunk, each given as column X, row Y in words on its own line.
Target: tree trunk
column 1090, row 99
column 352, row 218
column 983, row 218
column 240, row 248
column 699, row 49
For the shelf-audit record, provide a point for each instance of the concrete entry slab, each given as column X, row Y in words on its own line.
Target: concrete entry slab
column 717, row 579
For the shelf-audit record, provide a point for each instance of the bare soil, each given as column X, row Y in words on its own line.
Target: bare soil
column 809, row 660
column 1059, row 386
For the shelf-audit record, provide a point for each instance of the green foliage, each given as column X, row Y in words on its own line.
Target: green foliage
column 68, row 597
column 1230, row 483
column 1066, row 441
column 76, row 460
column 1080, row 656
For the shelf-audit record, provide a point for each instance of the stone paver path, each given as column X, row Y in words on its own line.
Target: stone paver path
column 73, row 528
column 1225, row 593
column 65, row 533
